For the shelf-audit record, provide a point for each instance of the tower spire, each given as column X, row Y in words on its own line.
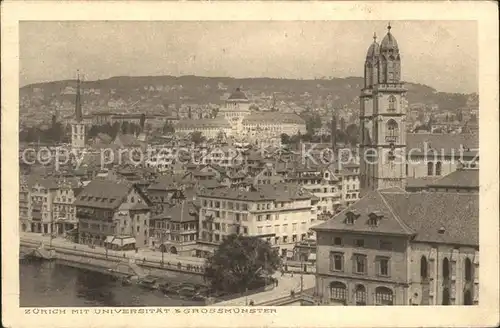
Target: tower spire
column 78, row 104
column 389, row 27
column 374, row 36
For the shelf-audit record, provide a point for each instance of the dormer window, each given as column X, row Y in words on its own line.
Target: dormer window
column 374, row 219
column 351, row 216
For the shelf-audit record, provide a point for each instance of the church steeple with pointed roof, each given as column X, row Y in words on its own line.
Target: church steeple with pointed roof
column 78, row 126
column 382, row 117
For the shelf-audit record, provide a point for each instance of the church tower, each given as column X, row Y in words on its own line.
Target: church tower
column 77, row 126
column 383, row 118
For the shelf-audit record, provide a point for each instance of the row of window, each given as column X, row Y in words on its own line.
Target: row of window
column 168, row 237
column 360, row 243
column 223, row 205
column 359, row 264
column 268, row 229
column 338, row 293
column 174, row 226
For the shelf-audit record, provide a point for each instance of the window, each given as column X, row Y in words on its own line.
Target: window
column 446, row 268
column 392, row 128
column 336, row 261
column 383, row 267
column 259, row 217
column 259, row 230
column 359, row 263
column 446, row 296
column 338, row 291
column 392, row 103
column 385, row 245
column 337, row 241
column 468, row 270
column 438, row 168
column 430, row 168
column 383, row 296
column 359, row 242
column 424, row 271
column 360, row 294
column 294, row 227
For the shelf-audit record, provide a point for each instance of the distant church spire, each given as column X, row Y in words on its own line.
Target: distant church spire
column 389, row 27
column 78, row 103
column 374, row 36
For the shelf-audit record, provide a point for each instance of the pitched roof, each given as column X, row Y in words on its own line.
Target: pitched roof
column 373, row 202
column 166, row 182
column 238, row 95
column 203, row 123
column 184, row 211
column 465, row 178
column 273, row 118
column 419, row 182
column 444, row 142
column 426, row 213
column 418, row 214
column 103, row 193
column 274, row 192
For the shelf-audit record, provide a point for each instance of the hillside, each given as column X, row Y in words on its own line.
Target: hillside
column 154, row 94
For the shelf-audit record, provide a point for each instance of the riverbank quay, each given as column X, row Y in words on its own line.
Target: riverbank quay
column 286, row 284
column 120, row 263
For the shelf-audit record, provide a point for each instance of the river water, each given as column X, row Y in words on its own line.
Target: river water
column 45, row 284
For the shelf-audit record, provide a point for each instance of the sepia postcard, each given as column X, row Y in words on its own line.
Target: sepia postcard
column 250, row 164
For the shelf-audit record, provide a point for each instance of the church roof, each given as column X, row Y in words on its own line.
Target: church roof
column 389, row 41
column 403, row 214
column 373, row 50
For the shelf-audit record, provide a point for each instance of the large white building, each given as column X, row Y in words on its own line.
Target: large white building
column 236, row 119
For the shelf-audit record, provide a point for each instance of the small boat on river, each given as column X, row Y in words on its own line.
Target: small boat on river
column 148, row 283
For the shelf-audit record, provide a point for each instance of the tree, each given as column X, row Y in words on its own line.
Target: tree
column 168, row 127
column 285, row 139
column 352, row 132
column 241, row 263
column 197, row 137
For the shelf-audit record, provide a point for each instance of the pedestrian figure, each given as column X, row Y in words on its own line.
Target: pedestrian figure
column 276, row 281
column 291, row 272
column 123, row 255
column 144, row 260
column 282, row 272
column 251, row 303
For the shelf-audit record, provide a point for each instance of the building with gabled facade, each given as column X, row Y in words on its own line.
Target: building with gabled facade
column 174, row 228
column 64, row 212
column 106, row 209
column 24, row 205
column 398, row 248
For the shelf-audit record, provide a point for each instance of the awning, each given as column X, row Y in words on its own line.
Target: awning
column 312, row 257
column 109, row 239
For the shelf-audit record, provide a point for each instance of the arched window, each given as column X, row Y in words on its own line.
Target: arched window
column 338, row 292
column 468, row 270
column 383, row 296
column 446, row 296
column 446, row 268
column 392, row 103
column 438, row 168
column 392, row 128
column 430, row 168
column 423, row 268
column 360, row 295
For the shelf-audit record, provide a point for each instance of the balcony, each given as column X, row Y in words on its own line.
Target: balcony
column 392, row 139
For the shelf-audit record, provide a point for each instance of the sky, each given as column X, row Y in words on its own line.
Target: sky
column 441, row 54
